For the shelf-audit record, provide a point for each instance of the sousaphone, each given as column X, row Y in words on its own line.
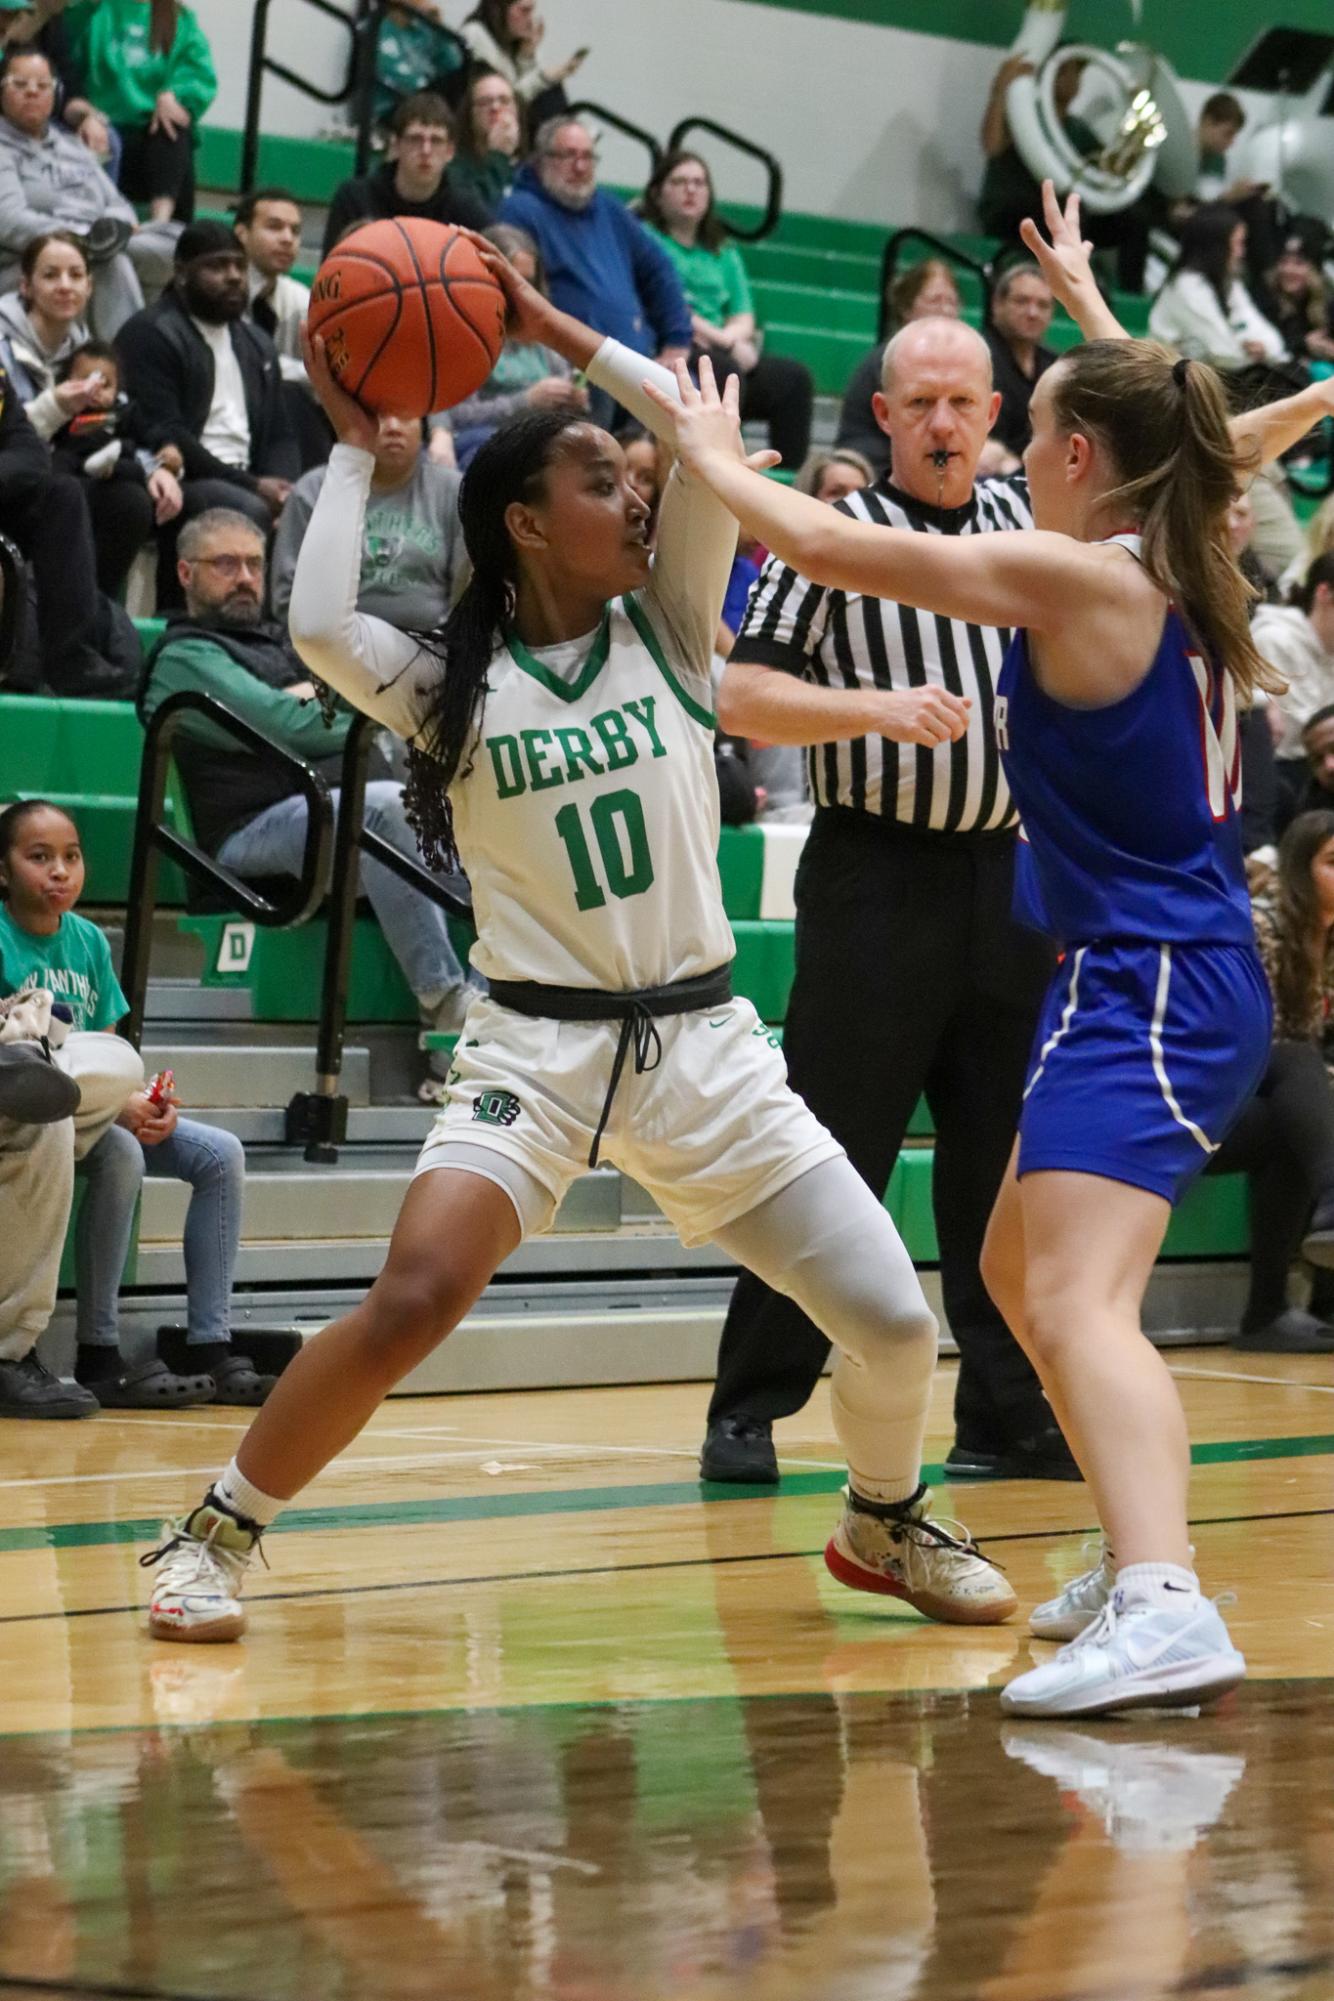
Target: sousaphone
column 1129, row 96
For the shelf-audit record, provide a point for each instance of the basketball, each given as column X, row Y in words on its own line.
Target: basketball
column 412, row 319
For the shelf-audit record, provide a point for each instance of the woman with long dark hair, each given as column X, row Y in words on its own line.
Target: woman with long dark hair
column 147, row 65
column 1116, row 715
column 561, row 742
column 491, row 138
column 679, row 212
column 1204, row 310
column 506, row 36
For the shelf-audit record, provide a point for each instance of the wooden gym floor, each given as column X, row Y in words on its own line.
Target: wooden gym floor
column 527, row 1715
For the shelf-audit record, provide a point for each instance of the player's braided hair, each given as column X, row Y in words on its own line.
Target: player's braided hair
column 509, row 467
column 1164, row 423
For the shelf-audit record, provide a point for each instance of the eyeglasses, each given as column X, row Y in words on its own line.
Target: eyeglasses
column 431, row 141
column 569, row 156
column 684, row 181
column 231, row 567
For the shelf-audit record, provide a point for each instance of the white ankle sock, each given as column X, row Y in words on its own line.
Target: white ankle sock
column 886, row 1493
column 1163, row 1584
column 250, row 1502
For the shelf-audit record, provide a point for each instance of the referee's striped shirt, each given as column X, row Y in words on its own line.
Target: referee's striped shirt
column 840, row 640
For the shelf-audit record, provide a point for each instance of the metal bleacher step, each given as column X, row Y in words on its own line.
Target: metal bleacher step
column 211, row 1072
column 185, row 1000
column 289, row 1201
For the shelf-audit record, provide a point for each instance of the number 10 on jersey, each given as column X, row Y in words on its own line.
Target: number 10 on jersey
column 621, row 839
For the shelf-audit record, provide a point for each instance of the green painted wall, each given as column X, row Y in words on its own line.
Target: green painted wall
column 1202, row 38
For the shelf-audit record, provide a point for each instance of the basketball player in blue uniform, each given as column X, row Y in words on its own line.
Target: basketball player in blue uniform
column 1118, row 728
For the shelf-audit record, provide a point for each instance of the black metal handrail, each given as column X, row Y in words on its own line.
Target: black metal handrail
column 13, row 590
column 638, row 133
column 889, row 258
column 773, row 203
column 370, row 14
column 262, row 64
column 317, row 1120
column 153, row 842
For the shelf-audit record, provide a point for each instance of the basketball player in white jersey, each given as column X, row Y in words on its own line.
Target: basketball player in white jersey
column 561, row 738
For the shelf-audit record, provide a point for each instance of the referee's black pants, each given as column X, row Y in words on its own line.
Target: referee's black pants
column 911, row 978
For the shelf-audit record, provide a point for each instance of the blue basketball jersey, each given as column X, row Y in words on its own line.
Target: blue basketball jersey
column 1130, row 813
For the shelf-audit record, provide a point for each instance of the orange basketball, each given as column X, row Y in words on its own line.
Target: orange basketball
column 412, row 319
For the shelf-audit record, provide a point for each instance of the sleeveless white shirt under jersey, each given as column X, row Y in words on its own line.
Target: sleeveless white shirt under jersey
column 588, row 821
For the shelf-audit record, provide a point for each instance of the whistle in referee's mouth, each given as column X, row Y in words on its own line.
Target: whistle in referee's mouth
column 941, row 459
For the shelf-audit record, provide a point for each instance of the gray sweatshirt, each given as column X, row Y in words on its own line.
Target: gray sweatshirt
column 411, row 556
column 51, row 183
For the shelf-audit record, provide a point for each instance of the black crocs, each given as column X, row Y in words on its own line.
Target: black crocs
column 237, row 1381
column 152, row 1387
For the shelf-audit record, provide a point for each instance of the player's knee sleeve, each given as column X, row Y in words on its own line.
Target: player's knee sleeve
column 828, row 1244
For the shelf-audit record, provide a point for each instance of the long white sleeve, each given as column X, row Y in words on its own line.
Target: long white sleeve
column 381, row 671
column 697, row 535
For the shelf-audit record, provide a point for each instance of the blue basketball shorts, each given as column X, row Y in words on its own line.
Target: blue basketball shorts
column 1144, row 1056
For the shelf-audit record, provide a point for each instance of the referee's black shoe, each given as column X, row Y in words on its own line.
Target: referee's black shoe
column 740, row 1449
column 1043, row 1456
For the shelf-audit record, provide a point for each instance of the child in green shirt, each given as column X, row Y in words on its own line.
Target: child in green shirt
column 45, row 943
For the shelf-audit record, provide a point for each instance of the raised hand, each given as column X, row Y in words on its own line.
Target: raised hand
column 1063, row 255
column 353, row 424
column 707, row 426
column 530, row 315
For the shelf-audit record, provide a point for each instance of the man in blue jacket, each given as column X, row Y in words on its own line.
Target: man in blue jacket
column 602, row 265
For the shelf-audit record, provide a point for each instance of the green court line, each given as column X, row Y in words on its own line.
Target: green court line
column 575, row 1500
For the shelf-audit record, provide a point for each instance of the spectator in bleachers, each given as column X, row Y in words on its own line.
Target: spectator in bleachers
column 1296, row 298
column 601, row 263
column 1221, row 119
column 207, row 380
column 1010, row 191
column 1204, row 310
column 1317, row 541
column 527, row 376
column 41, row 330
column 1021, row 310
column 924, row 291
column 1298, row 639
column 243, row 807
column 1285, row 1137
column 50, row 180
column 414, row 180
column 490, row 138
column 412, row 547
column 1310, row 786
column 678, row 210
column 45, row 943
column 410, row 56
column 268, row 228
column 41, row 1136
column 131, row 488
column 505, row 36
column 832, row 473
column 149, row 68
column 46, row 514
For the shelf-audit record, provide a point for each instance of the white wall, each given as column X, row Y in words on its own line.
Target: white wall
column 868, row 122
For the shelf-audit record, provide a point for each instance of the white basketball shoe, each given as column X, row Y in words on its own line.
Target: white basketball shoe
column 201, row 1565
column 1065, row 1616
column 1135, row 1655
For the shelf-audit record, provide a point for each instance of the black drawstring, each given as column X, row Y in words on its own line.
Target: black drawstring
column 640, row 1028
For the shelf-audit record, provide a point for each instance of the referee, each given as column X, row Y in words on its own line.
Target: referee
column 911, row 976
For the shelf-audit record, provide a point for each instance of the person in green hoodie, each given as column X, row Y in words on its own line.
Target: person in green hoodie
column 147, row 65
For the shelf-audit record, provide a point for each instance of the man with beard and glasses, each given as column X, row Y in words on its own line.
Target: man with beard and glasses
column 243, row 805
column 208, row 380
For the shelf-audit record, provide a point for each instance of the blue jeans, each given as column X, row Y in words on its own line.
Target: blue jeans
column 414, row 928
column 213, row 1163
